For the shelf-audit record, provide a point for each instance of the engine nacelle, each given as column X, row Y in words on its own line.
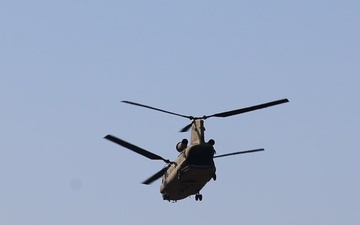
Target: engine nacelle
column 211, row 142
column 181, row 146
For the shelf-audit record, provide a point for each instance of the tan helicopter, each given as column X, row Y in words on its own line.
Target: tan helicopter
column 194, row 166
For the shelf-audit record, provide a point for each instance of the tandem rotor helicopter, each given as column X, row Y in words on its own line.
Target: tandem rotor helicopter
column 194, row 166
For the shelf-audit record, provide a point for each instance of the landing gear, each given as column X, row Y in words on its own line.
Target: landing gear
column 198, row 197
column 214, row 177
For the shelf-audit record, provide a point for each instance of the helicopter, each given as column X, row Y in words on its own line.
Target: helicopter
column 194, row 167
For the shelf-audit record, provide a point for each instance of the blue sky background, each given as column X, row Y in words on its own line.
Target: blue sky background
column 66, row 65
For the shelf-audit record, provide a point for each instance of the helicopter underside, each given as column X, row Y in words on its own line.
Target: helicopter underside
column 187, row 181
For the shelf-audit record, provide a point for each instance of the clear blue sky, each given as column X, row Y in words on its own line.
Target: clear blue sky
column 66, row 65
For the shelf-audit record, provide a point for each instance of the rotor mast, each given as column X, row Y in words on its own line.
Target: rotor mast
column 197, row 132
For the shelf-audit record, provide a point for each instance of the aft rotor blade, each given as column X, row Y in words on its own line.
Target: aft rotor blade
column 155, row 176
column 241, row 152
column 248, row 109
column 134, row 148
column 185, row 129
column 161, row 110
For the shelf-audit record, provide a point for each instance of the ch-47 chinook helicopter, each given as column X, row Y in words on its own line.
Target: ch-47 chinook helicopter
column 194, row 166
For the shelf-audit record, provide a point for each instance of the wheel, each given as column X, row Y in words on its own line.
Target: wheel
column 214, row 177
column 165, row 197
column 198, row 197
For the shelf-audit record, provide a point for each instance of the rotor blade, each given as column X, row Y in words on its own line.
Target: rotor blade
column 161, row 110
column 134, row 148
column 186, row 128
column 241, row 152
column 155, row 176
column 248, row 109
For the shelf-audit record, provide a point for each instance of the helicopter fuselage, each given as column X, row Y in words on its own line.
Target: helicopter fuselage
column 190, row 172
column 194, row 166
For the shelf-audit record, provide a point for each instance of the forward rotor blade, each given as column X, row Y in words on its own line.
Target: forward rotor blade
column 248, row 109
column 241, row 152
column 155, row 176
column 161, row 110
column 136, row 149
